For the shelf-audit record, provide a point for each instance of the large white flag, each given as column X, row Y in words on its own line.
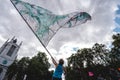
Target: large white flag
column 44, row 23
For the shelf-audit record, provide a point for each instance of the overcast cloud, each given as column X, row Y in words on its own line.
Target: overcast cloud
column 98, row 30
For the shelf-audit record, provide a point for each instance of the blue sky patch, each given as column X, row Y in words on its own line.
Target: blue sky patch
column 117, row 29
column 75, row 48
column 118, row 11
column 117, row 20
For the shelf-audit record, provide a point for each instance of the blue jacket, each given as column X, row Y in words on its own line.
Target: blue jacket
column 58, row 71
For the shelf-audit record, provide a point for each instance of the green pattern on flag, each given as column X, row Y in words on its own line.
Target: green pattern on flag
column 44, row 23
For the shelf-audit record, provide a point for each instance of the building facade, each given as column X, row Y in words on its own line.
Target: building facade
column 8, row 54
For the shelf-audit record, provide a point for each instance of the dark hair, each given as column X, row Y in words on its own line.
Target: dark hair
column 61, row 61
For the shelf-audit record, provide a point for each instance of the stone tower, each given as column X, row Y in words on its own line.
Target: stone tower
column 8, row 53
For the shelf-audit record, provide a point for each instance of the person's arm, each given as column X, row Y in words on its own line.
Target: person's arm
column 54, row 62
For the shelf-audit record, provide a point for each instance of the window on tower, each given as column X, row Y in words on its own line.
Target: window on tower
column 11, row 50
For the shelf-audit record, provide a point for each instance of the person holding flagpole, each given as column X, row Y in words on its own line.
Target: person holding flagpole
column 57, row 75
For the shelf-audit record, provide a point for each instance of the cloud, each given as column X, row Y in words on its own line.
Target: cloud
column 98, row 30
column 101, row 25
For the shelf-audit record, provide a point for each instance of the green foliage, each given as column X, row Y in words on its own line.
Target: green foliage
column 98, row 54
column 38, row 68
column 115, row 51
column 35, row 68
column 12, row 70
column 86, row 60
column 22, row 68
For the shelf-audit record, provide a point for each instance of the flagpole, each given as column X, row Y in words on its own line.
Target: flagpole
column 33, row 31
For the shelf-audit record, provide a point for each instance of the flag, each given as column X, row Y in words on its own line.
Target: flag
column 44, row 23
column 90, row 74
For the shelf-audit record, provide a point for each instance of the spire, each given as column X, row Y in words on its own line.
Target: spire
column 20, row 43
column 13, row 38
column 7, row 40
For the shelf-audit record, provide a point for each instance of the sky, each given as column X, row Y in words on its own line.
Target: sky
column 105, row 22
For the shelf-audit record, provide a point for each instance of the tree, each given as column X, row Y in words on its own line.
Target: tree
column 22, row 68
column 101, row 54
column 35, row 68
column 115, row 51
column 38, row 68
column 86, row 60
column 76, row 64
column 12, row 70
